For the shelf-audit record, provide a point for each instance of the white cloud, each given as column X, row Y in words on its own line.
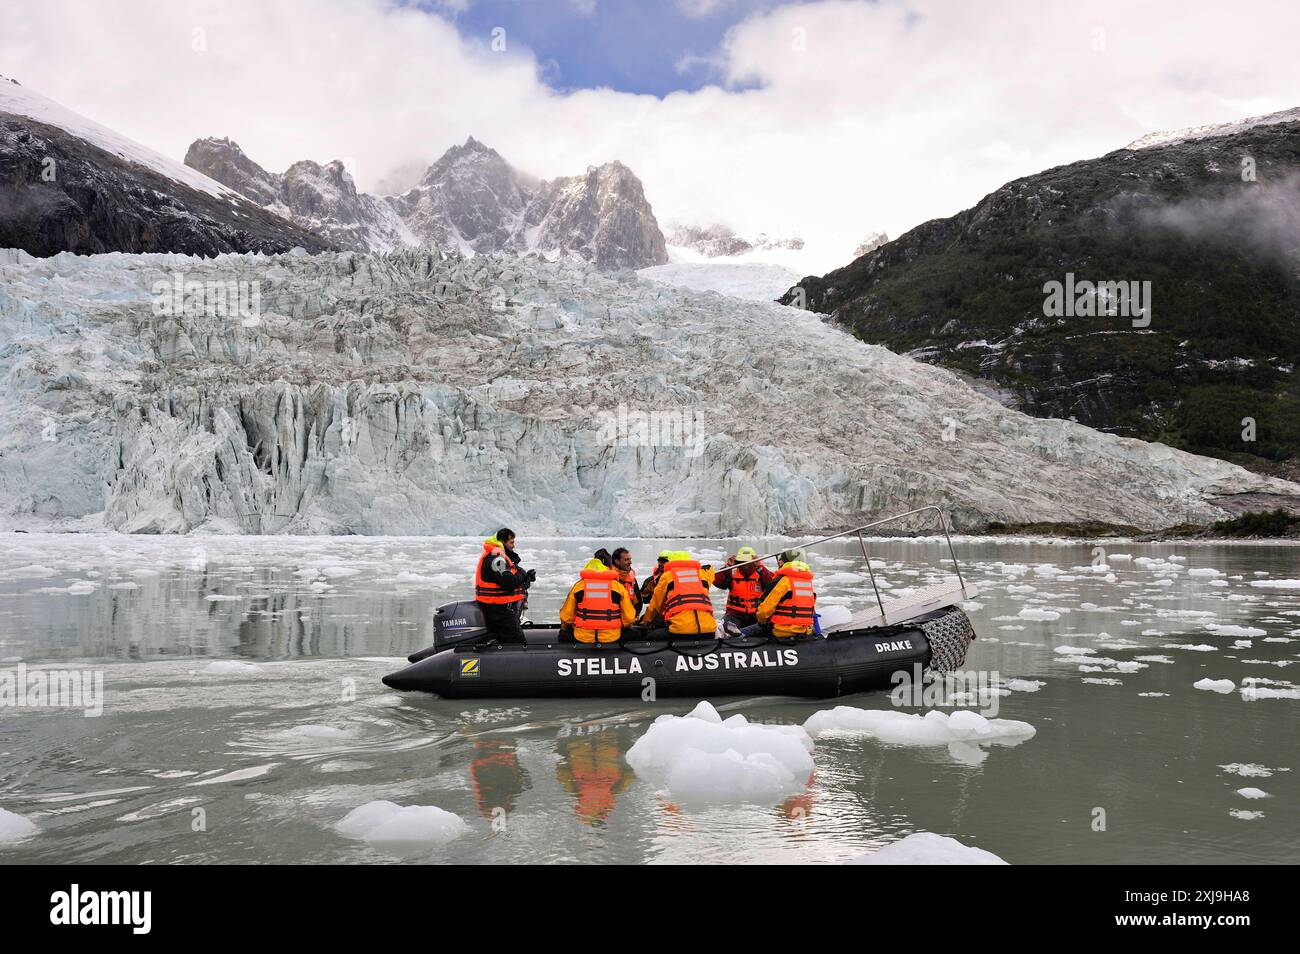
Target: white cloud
column 887, row 115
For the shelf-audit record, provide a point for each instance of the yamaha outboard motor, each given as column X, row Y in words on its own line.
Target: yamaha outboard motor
column 454, row 624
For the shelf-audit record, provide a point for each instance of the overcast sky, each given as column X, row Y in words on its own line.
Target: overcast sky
column 826, row 119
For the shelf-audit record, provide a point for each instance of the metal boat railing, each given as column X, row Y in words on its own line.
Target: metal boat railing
column 943, row 525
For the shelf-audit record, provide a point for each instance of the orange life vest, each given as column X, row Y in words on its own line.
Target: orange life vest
column 629, row 584
column 485, row 591
column 686, row 594
column 797, row 604
column 745, row 592
column 597, row 609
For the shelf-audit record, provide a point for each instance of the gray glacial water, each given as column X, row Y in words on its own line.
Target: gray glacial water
column 265, row 758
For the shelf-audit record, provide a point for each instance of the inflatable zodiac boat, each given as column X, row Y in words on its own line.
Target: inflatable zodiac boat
column 836, row 663
column 925, row 630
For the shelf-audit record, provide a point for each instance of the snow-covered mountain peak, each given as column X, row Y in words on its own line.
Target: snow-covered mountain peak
column 21, row 101
column 1211, row 130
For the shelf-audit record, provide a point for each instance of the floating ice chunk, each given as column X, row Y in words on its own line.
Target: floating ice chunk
column 1101, row 681
column 1250, row 769
column 1120, row 557
column 972, row 605
column 1153, row 695
column 1024, row 685
column 226, row 667
column 128, row 585
column 1245, row 815
column 1016, row 629
column 14, row 827
column 1196, row 647
column 1215, row 685
column 927, row 848
column 1242, row 644
column 1276, row 584
column 1206, row 572
column 1021, row 588
column 1253, row 793
column 1074, row 651
column 387, row 823
column 221, row 597
column 903, row 728
column 34, row 571
column 1153, row 659
column 1251, row 692
column 1152, row 632
column 1221, row 630
column 702, row 759
column 338, row 572
column 1031, row 612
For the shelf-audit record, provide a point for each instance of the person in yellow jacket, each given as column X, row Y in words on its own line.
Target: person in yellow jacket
column 681, row 598
column 789, row 604
column 598, row 606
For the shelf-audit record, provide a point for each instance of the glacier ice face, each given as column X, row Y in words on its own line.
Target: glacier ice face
column 416, row 391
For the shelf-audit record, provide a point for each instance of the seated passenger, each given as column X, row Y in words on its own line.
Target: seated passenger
column 598, row 607
column 681, row 599
column 745, row 587
column 651, row 581
column 787, row 608
column 626, row 575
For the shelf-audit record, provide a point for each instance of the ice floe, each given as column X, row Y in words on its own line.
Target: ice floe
column 903, row 728
column 387, row 823
column 700, row 758
column 14, row 827
column 927, row 848
column 1215, row 685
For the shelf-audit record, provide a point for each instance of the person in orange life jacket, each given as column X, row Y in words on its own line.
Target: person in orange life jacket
column 598, row 607
column 651, row 581
column 787, row 607
column 681, row 599
column 744, row 586
column 500, row 586
column 626, row 575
